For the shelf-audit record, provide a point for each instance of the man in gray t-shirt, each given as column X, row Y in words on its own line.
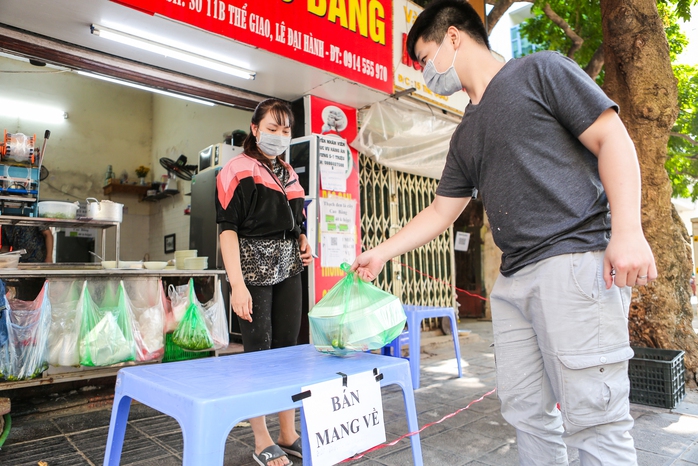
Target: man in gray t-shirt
column 550, row 156
column 519, row 147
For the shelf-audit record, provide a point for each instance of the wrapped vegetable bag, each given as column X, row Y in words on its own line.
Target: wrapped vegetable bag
column 355, row 316
column 3, row 309
column 106, row 335
column 146, row 300
column 65, row 322
column 27, row 323
column 192, row 333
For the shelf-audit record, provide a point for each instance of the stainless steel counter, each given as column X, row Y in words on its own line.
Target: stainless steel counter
column 47, row 272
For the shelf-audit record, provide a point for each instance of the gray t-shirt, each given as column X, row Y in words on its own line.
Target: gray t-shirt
column 519, row 148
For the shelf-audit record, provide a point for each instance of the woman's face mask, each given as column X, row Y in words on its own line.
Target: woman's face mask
column 444, row 83
column 272, row 144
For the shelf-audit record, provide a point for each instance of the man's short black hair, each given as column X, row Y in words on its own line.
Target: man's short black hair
column 432, row 23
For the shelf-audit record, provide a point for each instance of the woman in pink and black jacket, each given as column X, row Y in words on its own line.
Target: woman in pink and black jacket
column 259, row 206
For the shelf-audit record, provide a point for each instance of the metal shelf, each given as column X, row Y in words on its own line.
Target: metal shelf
column 83, row 373
column 68, row 223
column 55, row 222
column 161, row 195
column 139, row 189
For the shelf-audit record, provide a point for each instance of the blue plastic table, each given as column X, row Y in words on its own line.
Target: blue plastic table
column 208, row 397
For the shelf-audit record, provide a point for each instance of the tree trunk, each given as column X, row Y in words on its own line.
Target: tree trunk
column 595, row 65
column 500, row 7
column 640, row 79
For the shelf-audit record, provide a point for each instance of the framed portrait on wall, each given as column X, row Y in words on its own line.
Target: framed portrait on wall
column 170, row 243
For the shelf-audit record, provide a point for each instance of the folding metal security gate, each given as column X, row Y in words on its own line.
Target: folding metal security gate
column 390, row 199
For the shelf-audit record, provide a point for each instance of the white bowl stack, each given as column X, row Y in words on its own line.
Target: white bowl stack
column 196, row 263
column 180, row 257
column 155, row 265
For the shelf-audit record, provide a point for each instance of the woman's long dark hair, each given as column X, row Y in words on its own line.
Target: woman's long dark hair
column 282, row 115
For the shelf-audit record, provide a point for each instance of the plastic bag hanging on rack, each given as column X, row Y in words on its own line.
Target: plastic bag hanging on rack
column 192, row 333
column 3, row 309
column 25, row 355
column 145, row 298
column 106, row 335
column 179, row 300
column 66, row 317
column 355, row 316
column 216, row 320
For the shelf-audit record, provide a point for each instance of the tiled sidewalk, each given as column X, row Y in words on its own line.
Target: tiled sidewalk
column 477, row 436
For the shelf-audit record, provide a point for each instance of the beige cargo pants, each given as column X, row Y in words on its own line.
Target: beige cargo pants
column 561, row 337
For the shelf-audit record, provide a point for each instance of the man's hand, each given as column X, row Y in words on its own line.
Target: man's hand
column 368, row 265
column 306, row 251
column 628, row 261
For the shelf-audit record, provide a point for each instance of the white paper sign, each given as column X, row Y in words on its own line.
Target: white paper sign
column 337, row 215
column 337, row 231
column 343, row 421
column 462, row 241
column 333, row 160
column 336, row 249
column 79, row 232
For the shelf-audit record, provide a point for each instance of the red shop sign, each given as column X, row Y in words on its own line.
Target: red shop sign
column 350, row 38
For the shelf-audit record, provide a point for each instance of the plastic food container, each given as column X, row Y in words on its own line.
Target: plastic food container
column 9, row 261
column 108, row 264
column 104, row 210
column 196, row 263
column 180, row 256
column 58, row 209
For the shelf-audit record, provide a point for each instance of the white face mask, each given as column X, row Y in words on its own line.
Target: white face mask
column 444, row 83
column 272, row 144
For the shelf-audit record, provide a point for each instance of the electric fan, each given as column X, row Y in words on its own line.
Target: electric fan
column 178, row 167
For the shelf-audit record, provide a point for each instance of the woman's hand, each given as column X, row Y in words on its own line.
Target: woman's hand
column 241, row 301
column 306, row 252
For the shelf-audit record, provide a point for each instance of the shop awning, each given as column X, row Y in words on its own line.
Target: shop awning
column 406, row 137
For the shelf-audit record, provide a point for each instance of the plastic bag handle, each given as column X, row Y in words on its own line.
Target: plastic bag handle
column 192, row 294
column 347, row 283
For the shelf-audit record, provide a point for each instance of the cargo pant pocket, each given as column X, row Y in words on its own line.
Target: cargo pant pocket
column 595, row 387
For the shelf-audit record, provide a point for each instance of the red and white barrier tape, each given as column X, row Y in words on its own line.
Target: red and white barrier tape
column 394, row 442
column 440, row 280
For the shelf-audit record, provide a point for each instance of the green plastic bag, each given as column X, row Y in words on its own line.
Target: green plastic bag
column 355, row 316
column 191, row 333
column 106, row 337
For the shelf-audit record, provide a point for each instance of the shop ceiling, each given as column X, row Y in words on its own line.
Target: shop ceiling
column 69, row 21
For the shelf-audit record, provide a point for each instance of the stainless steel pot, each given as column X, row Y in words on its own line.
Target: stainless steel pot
column 104, row 210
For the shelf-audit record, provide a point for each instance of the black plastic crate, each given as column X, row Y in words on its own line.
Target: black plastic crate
column 657, row 377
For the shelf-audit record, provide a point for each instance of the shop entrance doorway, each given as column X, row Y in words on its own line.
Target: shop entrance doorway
column 468, row 260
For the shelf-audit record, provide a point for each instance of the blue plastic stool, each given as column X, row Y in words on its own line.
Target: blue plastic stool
column 412, row 336
column 209, row 396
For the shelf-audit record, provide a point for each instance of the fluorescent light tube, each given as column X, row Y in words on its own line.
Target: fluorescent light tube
column 146, row 88
column 30, row 111
column 172, row 52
